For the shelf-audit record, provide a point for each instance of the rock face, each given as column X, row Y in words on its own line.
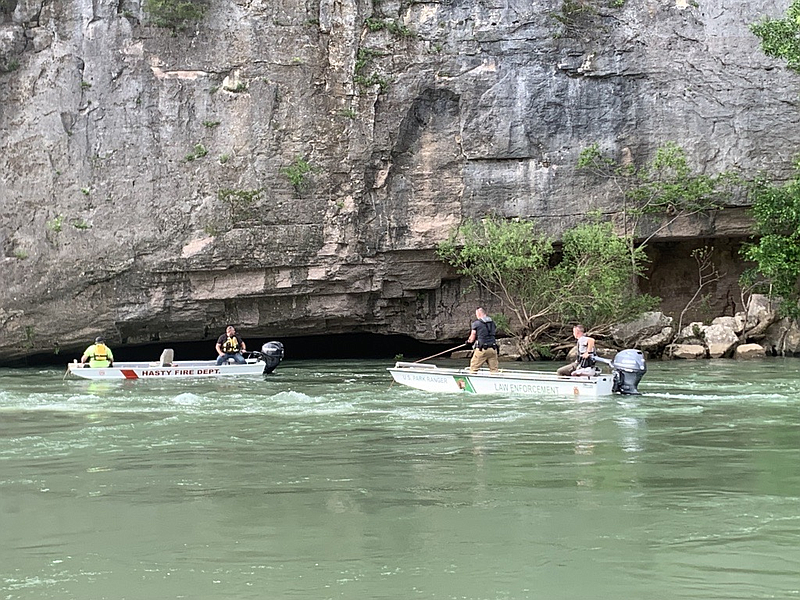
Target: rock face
column 291, row 166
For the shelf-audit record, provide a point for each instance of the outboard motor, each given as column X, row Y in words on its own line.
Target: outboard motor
column 628, row 368
column 272, row 354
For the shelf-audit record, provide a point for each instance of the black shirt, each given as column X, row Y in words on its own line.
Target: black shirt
column 484, row 333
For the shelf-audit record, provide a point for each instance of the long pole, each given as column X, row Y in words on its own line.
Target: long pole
column 440, row 353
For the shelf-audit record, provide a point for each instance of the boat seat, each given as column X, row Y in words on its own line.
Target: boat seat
column 586, row 372
column 166, row 357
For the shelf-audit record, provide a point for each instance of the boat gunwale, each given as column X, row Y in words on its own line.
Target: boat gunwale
column 406, row 367
column 171, row 371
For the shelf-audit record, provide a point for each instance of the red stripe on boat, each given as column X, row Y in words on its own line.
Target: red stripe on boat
column 129, row 373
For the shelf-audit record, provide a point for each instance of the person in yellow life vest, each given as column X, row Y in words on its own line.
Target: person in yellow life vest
column 98, row 354
column 230, row 345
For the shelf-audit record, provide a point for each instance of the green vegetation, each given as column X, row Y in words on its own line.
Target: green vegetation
column 9, row 66
column 85, row 85
column 30, row 334
column 199, row 151
column 223, row 158
column 598, row 270
column 577, row 16
column 658, row 193
column 177, row 15
column 370, row 80
column 364, row 57
column 374, row 24
column 239, row 88
column 20, row 254
column 211, row 124
column 299, row 173
column 240, row 202
column 780, row 38
column 80, row 224
column 86, row 191
column 776, row 209
column 707, row 273
column 56, row 223
column 592, row 280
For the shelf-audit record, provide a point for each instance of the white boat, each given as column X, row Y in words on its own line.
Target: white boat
column 431, row 378
column 257, row 363
column 628, row 367
column 176, row 370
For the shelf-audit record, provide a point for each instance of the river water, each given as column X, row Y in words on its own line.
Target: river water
column 326, row 481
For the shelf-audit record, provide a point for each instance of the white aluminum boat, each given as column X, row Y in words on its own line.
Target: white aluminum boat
column 627, row 370
column 257, row 363
column 431, row 378
column 176, row 370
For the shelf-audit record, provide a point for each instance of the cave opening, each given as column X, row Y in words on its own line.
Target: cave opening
column 345, row 346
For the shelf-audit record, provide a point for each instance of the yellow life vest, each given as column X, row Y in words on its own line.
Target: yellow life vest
column 99, row 356
column 100, row 352
column 231, row 346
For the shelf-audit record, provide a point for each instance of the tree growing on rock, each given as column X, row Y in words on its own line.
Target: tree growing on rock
column 776, row 208
column 776, row 247
column 540, row 289
column 780, row 38
column 658, row 193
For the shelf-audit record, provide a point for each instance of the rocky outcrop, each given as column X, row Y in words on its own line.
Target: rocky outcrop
column 749, row 351
column 291, row 166
column 650, row 332
column 722, row 338
column 688, row 351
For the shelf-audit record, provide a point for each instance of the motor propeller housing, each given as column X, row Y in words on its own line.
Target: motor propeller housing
column 628, row 367
column 272, row 354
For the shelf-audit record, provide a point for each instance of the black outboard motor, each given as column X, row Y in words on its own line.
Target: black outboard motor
column 628, row 368
column 272, row 354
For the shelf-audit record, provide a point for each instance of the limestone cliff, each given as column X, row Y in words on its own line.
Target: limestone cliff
column 290, row 165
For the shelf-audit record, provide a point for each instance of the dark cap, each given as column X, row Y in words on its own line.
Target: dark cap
column 99, row 339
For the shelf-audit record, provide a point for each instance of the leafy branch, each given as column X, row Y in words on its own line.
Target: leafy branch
column 707, row 274
column 776, row 248
column 659, row 192
column 780, row 38
column 591, row 280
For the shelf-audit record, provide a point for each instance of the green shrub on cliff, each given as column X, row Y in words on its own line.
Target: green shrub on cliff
column 776, row 253
column 780, row 38
column 591, row 280
column 299, row 174
column 177, row 15
column 658, row 193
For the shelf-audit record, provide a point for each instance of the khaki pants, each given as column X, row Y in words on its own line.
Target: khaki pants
column 479, row 357
column 567, row 369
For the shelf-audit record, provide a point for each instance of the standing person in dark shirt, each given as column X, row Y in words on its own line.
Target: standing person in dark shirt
column 230, row 345
column 484, row 343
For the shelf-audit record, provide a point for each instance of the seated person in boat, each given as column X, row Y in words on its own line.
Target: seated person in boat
column 484, row 343
column 230, row 345
column 586, row 352
column 98, row 354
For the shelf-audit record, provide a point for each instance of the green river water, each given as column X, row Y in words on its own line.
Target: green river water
column 325, row 481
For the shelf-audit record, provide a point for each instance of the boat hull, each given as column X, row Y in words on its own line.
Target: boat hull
column 431, row 378
column 177, row 370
